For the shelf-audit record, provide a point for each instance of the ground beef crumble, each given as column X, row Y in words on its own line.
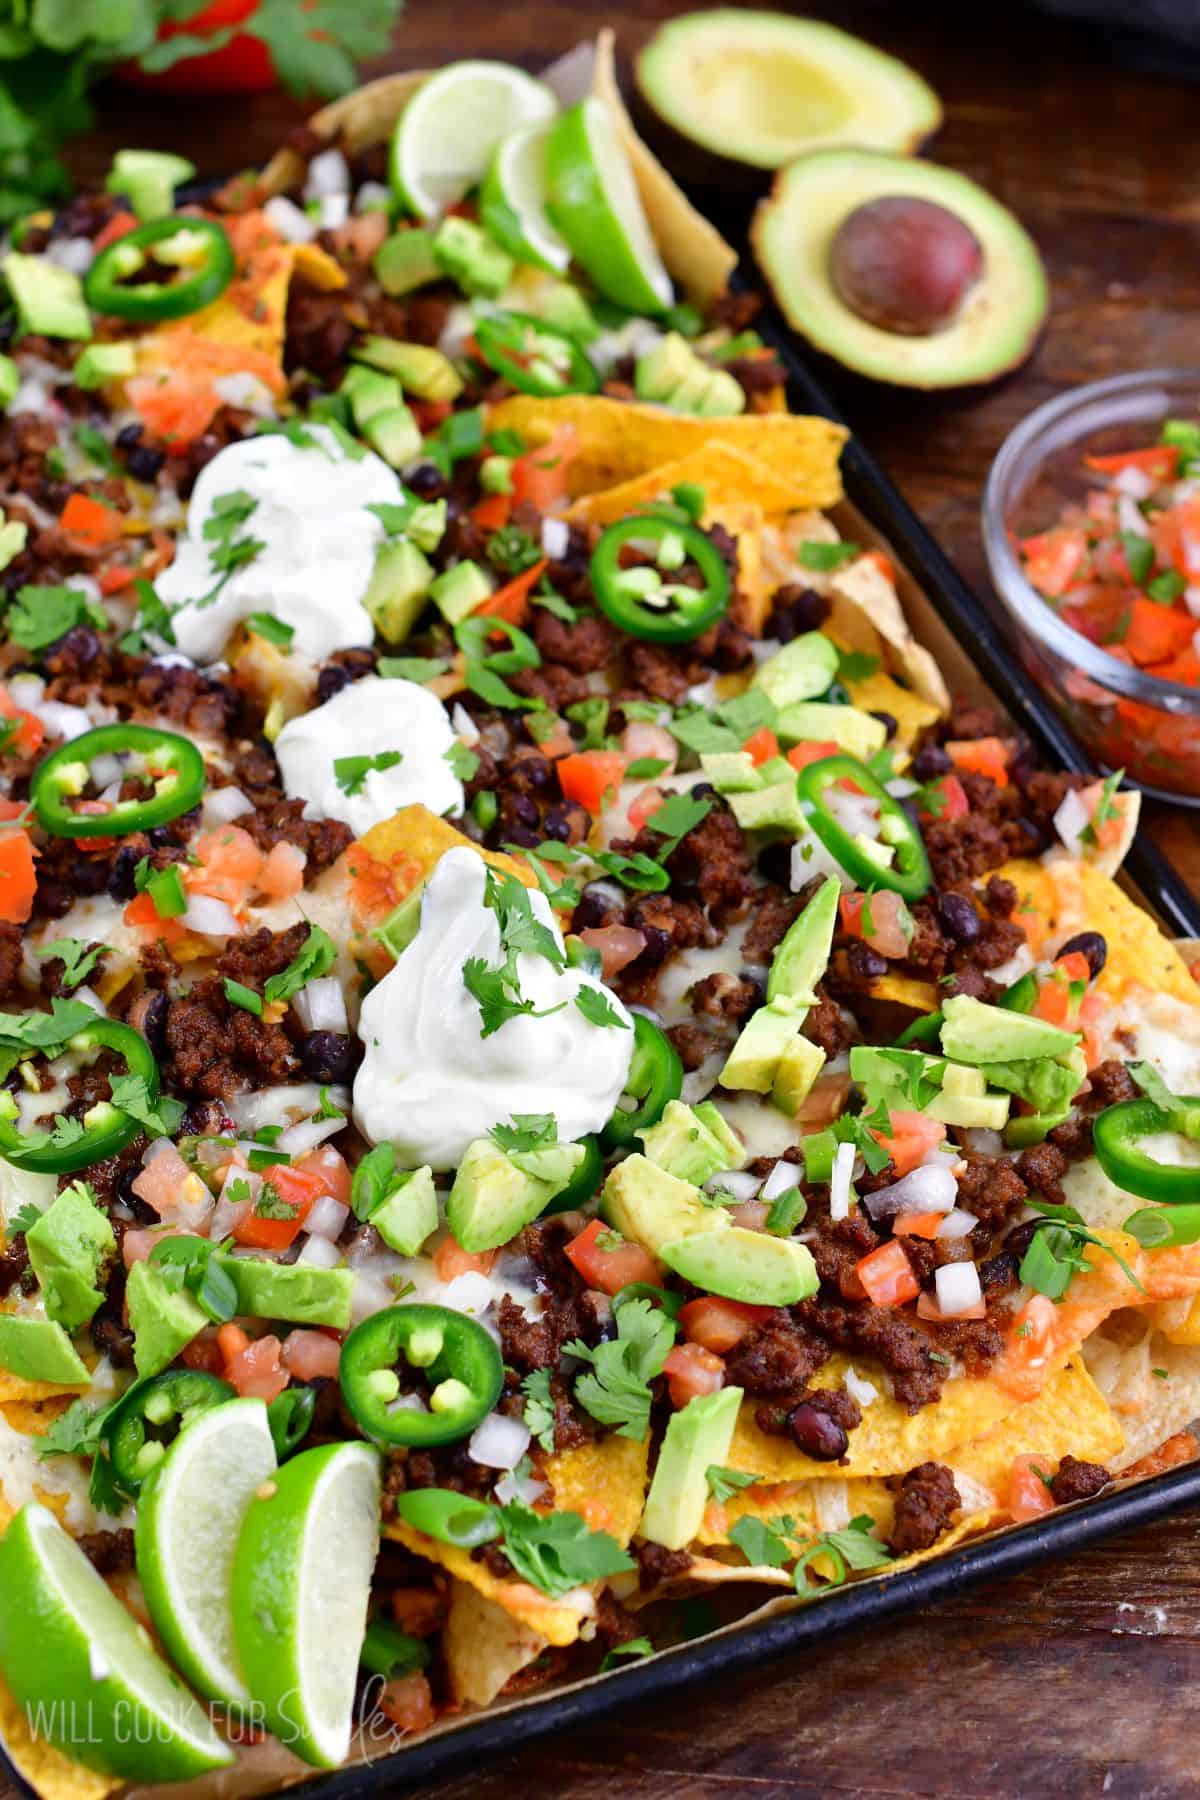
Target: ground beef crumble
column 925, row 1505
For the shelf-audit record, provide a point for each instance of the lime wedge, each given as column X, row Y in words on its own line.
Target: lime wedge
column 594, row 202
column 512, row 201
column 445, row 136
column 301, row 1581
column 189, row 1514
column 82, row 1668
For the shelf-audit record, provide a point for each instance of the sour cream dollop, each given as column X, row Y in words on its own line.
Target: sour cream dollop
column 371, row 718
column 430, row 1082
column 318, row 545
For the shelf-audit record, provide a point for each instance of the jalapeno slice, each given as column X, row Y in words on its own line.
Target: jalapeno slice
column 173, row 764
column 148, row 1420
column 908, row 874
column 458, row 1357
column 655, row 1076
column 584, row 1182
column 533, row 356
column 632, row 568
column 199, row 248
column 924, row 1030
column 106, row 1129
column 1117, row 1135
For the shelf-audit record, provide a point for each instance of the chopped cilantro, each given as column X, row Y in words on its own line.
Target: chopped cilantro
column 598, row 1009
column 463, row 761
column 78, row 959
column 238, row 994
column 723, row 1483
column 616, row 1390
column 539, row 1408
column 556, row 1552
column 350, row 772
column 825, row 557
column 527, row 1131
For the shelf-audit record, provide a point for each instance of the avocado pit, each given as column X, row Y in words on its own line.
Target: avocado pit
column 904, row 264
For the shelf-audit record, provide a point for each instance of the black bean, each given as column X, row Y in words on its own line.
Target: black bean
column 129, row 435
column 595, row 908
column 865, row 961
column 328, row 1056
column 1018, row 1240
column 120, row 880
column 1090, row 944
column 524, row 810
column 930, row 762
column 557, row 824
column 795, row 609
column 426, row 479
column 888, row 720
column 816, row 1433
column 519, row 835
column 332, row 679
column 958, row 917
column 144, row 463
column 775, row 862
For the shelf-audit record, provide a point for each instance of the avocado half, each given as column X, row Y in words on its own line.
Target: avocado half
column 995, row 326
column 729, row 88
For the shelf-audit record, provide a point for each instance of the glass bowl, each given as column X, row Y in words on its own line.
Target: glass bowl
column 1125, row 718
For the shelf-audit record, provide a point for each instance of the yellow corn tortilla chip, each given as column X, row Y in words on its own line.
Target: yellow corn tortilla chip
column 556, row 1621
column 880, row 693
column 1070, row 1417
column 414, row 840
column 1150, row 1406
column 50, row 1773
column 604, row 1482
column 724, row 471
column 903, row 990
column 359, row 120
column 619, row 439
column 752, row 601
column 1060, row 897
column 484, row 1646
column 14, row 1388
column 862, row 595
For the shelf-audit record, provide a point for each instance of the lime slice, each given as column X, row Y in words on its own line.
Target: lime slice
column 189, row 1514
column 512, row 201
column 82, row 1669
column 594, row 202
column 301, row 1581
column 445, row 136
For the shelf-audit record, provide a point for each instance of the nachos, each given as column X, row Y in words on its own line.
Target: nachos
column 549, row 1067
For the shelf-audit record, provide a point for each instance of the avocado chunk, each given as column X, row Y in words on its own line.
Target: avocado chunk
column 465, row 253
column 394, row 434
column 98, row 364
column 795, row 1074
column 662, row 368
column 803, row 955
column 820, row 721
column 651, row 1207
column 763, row 1040
column 419, row 368
column 406, row 261
column 774, row 808
column 459, row 590
column 672, row 374
column 163, row 1320
column 973, row 1032
column 853, row 237
column 402, row 924
column 728, row 88
column 49, row 300
column 731, row 771
column 67, row 1248
column 399, row 588
column 562, row 305
column 409, row 1214
column 493, row 1198
column 697, row 1436
column 149, row 179
column 39, row 1350
column 1045, row 1084
column 802, row 670
column 370, row 392
column 964, row 1100
column 744, row 1265
column 300, row 1292
column 691, row 1146
column 874, row 1068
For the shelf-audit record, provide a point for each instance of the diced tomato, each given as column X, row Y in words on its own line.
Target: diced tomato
column 511, row 602
column 492, row 513
column 619, row 945
column 1031, row 1336
column 717, row 1324
column 761, row 745
column 887, row 1275
column 311, row 1355
column 419, row 1610
column 650, row 801
column 981, row 756
column 163, row 1183
column 117, row 226
column 331, row 1170
column 408, row 1703
column 881, row 920
column 1156, row 632
column 18, row 877
column 912, row 1136
column 1053, row 1003
column 282, row 874
column 91, row 521
column 589, row 775
column 884, row 564
column 137, row 1244
column 429, row 414
column 540, row 476
column 204, row 1352
column 922, row 1225
column 1028, row 1495
column 613, row 1264
column 928, row 1308
column 31, row 733
column 451, row 1260
column 1074, row 966
column 800, row 755
column 296, row 1187
column 554, row 737
column 692, row 1371
column 116, row 578
column 1053, row 558
column 1159, row 461
column 254, row 1366
column 230, row 863
column 1185, row 667
column 144, row 916
column 951, row 799
column 641, row 739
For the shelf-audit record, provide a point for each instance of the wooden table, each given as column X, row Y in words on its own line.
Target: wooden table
column 1077, row 1679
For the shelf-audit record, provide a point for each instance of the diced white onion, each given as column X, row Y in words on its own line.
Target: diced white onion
column 26, row 691
column 809, row 858
column 464, row 725
column 1130, row 517
column 326, row 1218
column 32, row 397
column 468, row 1293
column 372, row 196
column 498, row 1442
column 556, row 535
column 371, row 1295
column 335, row 210
column 974, row 1496
column 221, row 806
column 75, row 254
column 110, row 794
column 211, row 918
column 839, row 1185
column 738, row 1182
column 282, row 1105
column 290, row 221
column 231, row 1212
column 242, row 389
column 106, row 769
column 923, row 1190
column 857, row 814
column 860, row 1389
column 62, row 720
column 321, row 1005
column 783, row 1176
column 958, row 1288
column 957, row 1224
column 328, row 173
column 832, row 1505
column 1071, row 821
column 320, row 1253
column 1018, row 964
column 525, row 1488
column 299, row 1139
column 900, row 787
column 90, row 997
column 1134, row 482
column 156, row 1147
column 983, row 1140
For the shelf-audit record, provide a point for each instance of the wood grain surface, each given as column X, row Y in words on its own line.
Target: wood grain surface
column 1079, row 1679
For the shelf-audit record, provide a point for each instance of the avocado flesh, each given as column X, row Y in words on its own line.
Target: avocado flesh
column 762, row 88
column 1000, row 316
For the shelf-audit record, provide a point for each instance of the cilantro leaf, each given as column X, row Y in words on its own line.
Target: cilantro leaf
column 823, row 557
column 556, row 1552
column 616, row 1391
column 40, row 616
column 639, row 1646
column 853, row 1548
column 760, row 1543
column 463, row 761
column 315, row 958
column 22, row 1220
column 77, row 958
column 350, row 772
column 528, row 1131
column 539, row 1408
column 678, row 815
column 724, row 1483
column 160, row 1118
column 75, row 1432
column 598, row 1009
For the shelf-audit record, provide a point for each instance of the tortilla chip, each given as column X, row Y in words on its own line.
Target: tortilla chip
column 604, row 1482
column 14, row 1388
column 694, row 251
column 1062, row 896
column 484, row 1646
column 880, row 693
column 555, row 1621
column 619, row 439
column 1151, row 1405
column 359, row 120
column 903, row 990
column 48, row 1771
column 862, row 592
column 725, row 472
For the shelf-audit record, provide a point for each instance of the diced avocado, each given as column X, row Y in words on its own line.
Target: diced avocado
column 400, row 585
column 774, row 808
column 409, row 1215
column 300, row 1291
column 49, row 299
column 762, row 1042
column 731, row 771
column 67, row 1248
column 723, row 396
column 800, row 671
column 820, row 721
column 776, row 768
column 149, row 178
column 419, row 368
column 696, row 1437
column 402, row 923
column 555, row 1164
column 466, row 254
column 492, row 1199
column 38, row 1350
column 803, row 956
column 1044, row 1084
column 459, row 590
column 973, row 1032
column 651, row 1207
column 163, row 1320
column 564, row 307
column 688, row 395
column 685, row 1145
column 406, row 261
column 798, row 1068
column 370, row 393
column 98, row 364
column 661, row 369
column 878, row 1068
column 711, row 1116
column 1030, row 1128
column 965, row 1101
column 10, row 380
column 744, row 1265
column 395, row 434
column 495, row 475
